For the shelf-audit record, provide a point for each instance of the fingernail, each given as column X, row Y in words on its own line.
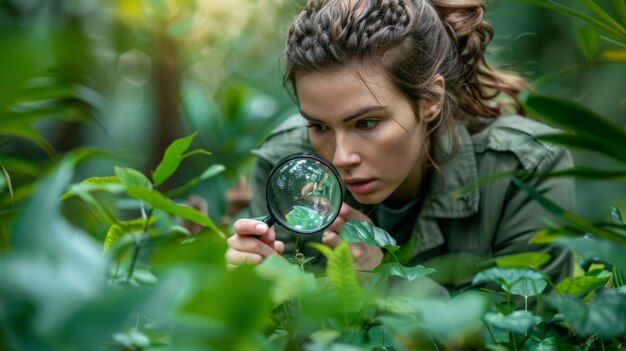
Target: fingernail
column 261, row 228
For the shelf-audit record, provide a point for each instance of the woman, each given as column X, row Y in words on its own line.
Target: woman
column 398, row 96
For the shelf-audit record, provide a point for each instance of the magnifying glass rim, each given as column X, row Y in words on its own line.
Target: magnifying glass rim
column 301, row 155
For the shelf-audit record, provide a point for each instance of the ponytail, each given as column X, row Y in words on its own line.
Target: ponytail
column 481, row 82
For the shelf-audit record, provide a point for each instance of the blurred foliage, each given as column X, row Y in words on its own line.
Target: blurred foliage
column 94, row 99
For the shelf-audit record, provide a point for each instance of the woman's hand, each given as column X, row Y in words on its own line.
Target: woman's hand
column 365, row 256
column 243, row 247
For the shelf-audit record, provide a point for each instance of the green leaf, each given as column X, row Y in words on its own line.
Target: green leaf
column 239, row 304
column 208, row 173
column 594, row 247
column 523, row 260
column 548, row 344
column 573, row 219
column 96, row 208
column 355, row 231
column 289, row 280
column 112, row 184
column 530, row 285
column 605, row 316
column 172, row 158
column 7, row 178
column 524, row 282
column 28, row 132
column 584, row 142
column 620, row 8
column 518, row 322
column 133, row 178
column 581, row 285
column 605, row 17
column 304, row 218
column 122, row 228
column 340, row 271
column 600, row 24
column 588, row 41
column 456, row 318
column 157, row 200
column 408, row 273
column 570, row 115
column 588, row 173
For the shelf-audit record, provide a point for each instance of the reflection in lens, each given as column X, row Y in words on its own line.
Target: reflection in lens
column 304, row 195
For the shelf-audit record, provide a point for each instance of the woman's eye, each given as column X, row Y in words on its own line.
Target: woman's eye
column 318, row 127
column 367, row 124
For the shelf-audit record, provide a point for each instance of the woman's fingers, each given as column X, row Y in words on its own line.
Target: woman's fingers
column 349, row 212
column 252, row 242
column 235, row 258
column 331, row 238
column 279, row 246
column 247, row 226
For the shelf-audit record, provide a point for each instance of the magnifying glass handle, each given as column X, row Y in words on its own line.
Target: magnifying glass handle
column 269, row 221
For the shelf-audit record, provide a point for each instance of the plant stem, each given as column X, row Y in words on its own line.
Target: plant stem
column 137, row 247
column 525, row 303
column 131, row 269
column 117, row 270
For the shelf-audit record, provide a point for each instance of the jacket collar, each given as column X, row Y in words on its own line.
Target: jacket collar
column 457, row 172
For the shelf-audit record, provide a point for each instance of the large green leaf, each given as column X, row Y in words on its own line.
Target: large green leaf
column 589, row 173
column 588, row 41
column 584, row 142
column 27, row 131
column 452, row 320
column 523, row 260
column 174, row 155
column 158, row 200
column 620, row 8
column 122, row 228
column 617, row 31
column 518, row 281
column 133, row 178
column 304, row 218
column 573, row 116
column 517, row 321
column 581, row 285
column 111, row 184
column 408, row 273
column 597, row 248
column 290, row 281
column 52, row 268
column 547, row 344
column 573, row 219
column 355, row 231
column 340, row 271
column 208, row 173
column 605, row 316
column 240, row 303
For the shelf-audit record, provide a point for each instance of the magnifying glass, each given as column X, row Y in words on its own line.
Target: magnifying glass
column 304, row 193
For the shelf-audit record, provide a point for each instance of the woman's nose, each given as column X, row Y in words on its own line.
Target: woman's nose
column 345, row 155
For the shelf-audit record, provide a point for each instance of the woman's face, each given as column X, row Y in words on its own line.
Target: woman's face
column 368, row 129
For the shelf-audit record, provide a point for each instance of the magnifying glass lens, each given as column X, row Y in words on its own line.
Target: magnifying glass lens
column 304, row 193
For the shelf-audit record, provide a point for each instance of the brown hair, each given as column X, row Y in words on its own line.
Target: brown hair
column 414, row 40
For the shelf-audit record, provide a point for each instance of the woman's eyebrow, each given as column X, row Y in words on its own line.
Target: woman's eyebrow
column 358, row 113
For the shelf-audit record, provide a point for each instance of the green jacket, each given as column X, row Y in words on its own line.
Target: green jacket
column 456, row 234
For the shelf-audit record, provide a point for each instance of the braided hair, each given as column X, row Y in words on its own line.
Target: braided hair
column 415, row 41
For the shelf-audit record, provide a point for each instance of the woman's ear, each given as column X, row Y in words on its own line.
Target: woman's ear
column 430, row 108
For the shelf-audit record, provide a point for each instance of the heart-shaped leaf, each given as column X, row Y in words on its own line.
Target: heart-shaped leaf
column 355, row 231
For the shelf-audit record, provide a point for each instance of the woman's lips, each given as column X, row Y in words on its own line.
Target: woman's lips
column 360, row 186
